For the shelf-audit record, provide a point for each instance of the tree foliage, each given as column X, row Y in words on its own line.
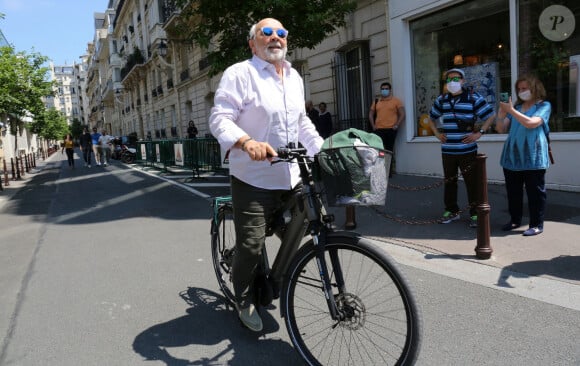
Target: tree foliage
column 23, row 82
column 222, row 26
column 76, row 129
column 51, row 125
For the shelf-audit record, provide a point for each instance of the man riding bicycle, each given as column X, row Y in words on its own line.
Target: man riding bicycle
column 258, row 107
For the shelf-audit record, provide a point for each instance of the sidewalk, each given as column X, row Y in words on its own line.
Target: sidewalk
column 407, row 218
column 15, row 185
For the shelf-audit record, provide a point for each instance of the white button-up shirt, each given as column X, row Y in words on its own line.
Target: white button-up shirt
column 252, row 99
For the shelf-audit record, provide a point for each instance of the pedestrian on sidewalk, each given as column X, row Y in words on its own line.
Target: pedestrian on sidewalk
column 85, row 141
column 386, row 115
column 95, row 143
column 69, row 146
column 259, row 106
column 525, row 155
column 324, row 121
column 460, row 109
column 105, row 146
column 191, row 130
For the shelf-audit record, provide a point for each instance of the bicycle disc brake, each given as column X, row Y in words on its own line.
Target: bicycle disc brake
column 352, row 310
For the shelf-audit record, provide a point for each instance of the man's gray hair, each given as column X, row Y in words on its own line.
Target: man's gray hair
column 252, row 33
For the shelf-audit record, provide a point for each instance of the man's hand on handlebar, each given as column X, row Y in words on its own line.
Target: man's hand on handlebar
column 259, row 151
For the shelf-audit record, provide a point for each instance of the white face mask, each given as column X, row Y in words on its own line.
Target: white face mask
column 453, row 86
column 525, row 95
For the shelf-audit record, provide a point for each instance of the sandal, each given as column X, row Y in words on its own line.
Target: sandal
column 510, row 226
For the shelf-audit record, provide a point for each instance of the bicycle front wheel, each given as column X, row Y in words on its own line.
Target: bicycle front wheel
column 381, row 322
column 223, row 242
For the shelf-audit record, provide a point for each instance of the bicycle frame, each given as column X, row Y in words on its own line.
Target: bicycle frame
column 314, row 221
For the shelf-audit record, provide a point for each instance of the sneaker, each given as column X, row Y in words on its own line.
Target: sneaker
column 89, row 165
column 105, row 164
column 533, row 231
column 250, row 318
column 473, row 221
column 449, row 216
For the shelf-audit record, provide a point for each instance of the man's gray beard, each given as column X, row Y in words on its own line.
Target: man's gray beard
column 276, row 56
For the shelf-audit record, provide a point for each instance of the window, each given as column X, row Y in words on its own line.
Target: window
column 556, row 62
column 473, row 36
column 351, row 72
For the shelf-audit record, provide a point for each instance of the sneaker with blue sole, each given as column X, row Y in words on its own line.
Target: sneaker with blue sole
column 448, row 217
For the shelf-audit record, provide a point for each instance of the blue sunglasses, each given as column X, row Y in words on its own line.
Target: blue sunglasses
column 268, row 31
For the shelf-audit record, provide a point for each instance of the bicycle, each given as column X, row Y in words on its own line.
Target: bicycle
column 343, row 299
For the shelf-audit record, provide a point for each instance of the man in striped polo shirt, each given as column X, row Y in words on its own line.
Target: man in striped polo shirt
column 459, row 109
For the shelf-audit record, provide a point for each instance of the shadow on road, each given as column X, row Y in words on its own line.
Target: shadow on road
column 564, row 266
column 101, row 194
column 209, row 321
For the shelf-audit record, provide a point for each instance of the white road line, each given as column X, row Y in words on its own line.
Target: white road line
column 205, row 185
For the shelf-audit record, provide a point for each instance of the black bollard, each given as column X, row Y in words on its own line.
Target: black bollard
column 350, row 222
column 483, row 248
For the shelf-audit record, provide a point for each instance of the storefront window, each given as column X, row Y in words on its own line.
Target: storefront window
column 473, row 36
column 549, row 47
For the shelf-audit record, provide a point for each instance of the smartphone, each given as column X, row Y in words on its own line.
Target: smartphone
column 504, row 97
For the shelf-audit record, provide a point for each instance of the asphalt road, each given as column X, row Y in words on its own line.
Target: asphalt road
column 111, row 266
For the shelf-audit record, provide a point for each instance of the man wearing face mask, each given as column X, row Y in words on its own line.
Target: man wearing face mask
column 386, row 115
column 258, row 107
column 459, row 110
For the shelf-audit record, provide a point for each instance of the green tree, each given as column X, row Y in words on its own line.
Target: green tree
column 51, row 125
column 76, row 129
column 23, row 83
column 224, row 24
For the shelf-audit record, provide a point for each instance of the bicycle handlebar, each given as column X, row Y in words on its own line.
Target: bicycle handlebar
column 290, row 153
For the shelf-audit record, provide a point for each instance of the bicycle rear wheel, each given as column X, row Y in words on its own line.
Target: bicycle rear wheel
column 382, row 324
column 223, row 242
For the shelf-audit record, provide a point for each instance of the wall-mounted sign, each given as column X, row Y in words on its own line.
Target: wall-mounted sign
column 557, row 23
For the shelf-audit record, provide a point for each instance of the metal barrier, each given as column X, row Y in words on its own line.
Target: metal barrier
column 199, row 155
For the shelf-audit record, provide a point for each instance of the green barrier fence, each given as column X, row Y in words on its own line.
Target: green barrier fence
column 200, row 155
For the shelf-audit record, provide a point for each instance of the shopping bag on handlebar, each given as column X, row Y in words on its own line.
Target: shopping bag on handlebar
column 352, row 168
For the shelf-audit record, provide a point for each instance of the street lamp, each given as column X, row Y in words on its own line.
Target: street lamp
column 162, row 48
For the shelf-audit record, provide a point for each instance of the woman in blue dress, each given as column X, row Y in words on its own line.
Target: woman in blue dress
column 525, row 153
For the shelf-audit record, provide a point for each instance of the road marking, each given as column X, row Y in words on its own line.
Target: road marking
column 204, row 185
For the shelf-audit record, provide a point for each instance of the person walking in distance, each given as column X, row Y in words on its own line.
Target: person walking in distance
column 312, row 114
column 85, row 141
column 525, row 157
column 324, row 121
column 105, row 145
column 459, row 109
column 191, row 130
column 95, row 143
column 69, row 146
column 258, row 107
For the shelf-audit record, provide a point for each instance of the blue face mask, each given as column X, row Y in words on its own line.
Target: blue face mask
column 385, row 92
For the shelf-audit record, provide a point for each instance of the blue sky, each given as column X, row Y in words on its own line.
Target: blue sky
column 58, row 29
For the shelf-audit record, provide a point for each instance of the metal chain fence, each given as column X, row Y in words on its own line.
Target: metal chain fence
column 407, row 221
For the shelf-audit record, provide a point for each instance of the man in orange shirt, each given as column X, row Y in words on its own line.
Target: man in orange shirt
column 386, row 115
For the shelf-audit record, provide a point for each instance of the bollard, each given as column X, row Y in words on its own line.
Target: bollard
column 483, row 248
column 21, row 166
column 15, row 170
column 33, row 160
column 26, row 163
column 6, row 180
column 350, row 222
